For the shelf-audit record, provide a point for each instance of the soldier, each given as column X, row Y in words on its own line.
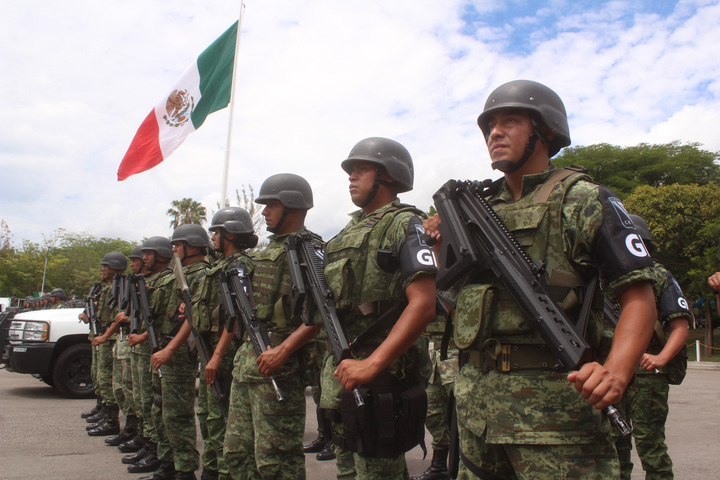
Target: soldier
column 174, row 414
column 156, row 254
column 645, row 403
column 517, row 417
column 264, row 436
column 232, row 235
column 57, row 296
column 113, row 263
column 379, row 267
column 440, row 403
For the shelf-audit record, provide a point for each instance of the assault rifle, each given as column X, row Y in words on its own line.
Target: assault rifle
column 196, row 340
column 115, row 299
column 91, row 311
column 305, row 259
column 133, row 305
column 143, row 305
column 475, row 239
column 238, row 300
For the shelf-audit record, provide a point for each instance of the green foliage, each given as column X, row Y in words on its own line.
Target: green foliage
column 623, row 169
column 72, row 263
column 186, row 211
column 684, row 222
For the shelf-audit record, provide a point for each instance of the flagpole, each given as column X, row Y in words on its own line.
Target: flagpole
column 226, row 166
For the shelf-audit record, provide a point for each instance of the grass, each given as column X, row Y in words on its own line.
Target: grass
column 699, row 334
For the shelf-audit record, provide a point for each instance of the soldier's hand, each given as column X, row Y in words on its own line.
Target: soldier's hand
column 351, row 373
column 160, row 358
column 83, row 317
column 597, row 385
column 211, row 370
column 99, row 340
column 714, row 282
column 652, row 362
column 121, row 318
column 271, row 359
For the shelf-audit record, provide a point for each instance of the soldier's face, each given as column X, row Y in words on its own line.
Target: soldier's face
column 135, row 265
column 509, row 132
column 272, row 212
column 362, row 178
column 104, row 272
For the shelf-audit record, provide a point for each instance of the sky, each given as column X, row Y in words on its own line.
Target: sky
column 313, row 79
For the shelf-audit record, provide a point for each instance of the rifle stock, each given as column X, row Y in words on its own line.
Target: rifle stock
column 304, row 257
column 474, row 237
column 238, row 300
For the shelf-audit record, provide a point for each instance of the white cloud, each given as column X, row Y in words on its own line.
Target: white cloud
column 315, row 78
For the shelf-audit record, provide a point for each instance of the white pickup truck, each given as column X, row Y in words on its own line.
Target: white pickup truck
column 52, row 345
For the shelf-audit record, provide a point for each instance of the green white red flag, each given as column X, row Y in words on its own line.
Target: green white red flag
column 204, row 88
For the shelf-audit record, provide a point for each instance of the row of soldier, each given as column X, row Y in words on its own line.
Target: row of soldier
column 380, row 274
column 56, row 298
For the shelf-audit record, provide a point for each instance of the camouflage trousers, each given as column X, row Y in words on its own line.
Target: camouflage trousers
column 210, row 414
column 122, row 382
column 105, row 373
column 142, row 393
column 264, row 437
column 645, row 405
column 173, row 410
column 94, row 370
column 567, row 442
column 439, row 392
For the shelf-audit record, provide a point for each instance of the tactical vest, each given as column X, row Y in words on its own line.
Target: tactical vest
column 353, row 272
column 535, row 221
column 163, row 300
column 271, row 286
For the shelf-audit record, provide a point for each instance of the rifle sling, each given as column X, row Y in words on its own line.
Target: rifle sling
column 381, row 323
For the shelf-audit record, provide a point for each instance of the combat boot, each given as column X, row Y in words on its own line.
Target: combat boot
column 111, row 425
column 437, row 469
column 132, row 445
column 324, row 433
column 326, row 453
column 98, row 416
column 137, row 456
column 185, row 476
column 316, row 445
column 92, row 411
column 126, row 434
column 149, row 463
column 166, row 471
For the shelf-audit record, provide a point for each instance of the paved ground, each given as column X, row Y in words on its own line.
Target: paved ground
column 42, row 435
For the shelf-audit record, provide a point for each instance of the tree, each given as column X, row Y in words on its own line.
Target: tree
column 684, row 222
column 246, row 199
column 623, row 169
column 185, row 211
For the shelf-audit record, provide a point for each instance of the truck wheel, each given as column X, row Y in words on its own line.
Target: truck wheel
column 71, row 373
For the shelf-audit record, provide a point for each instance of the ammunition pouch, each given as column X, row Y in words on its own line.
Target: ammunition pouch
column 391, row 422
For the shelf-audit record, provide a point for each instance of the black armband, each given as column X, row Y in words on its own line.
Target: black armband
column 415, row 254
column 672, row 302
column 617, row 248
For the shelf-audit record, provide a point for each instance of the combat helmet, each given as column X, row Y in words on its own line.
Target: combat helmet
column 115, row 260
column 58, row 292
column 293, row 191
column 136, row 252
column 160, row 245
column 234, row 220
column 192, row 234
column 394, row 157
column 543, row 102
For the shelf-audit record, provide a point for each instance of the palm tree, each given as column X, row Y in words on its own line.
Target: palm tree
column 185, row 211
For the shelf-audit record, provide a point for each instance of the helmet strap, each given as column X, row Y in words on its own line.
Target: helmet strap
column 277, row 227
column 507, row 166
column 376, row 185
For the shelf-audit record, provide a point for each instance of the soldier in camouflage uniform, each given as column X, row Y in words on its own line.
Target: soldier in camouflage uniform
column 155, row 255
column 518, row 418
column 58, row 298
column 112, row 263
column 264, row 436
column 439, row 393
column 232, row 234
column 174, row 414
column 645, row 404
column 379, row 263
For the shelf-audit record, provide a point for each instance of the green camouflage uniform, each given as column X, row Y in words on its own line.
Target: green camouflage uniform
column 173, row 409
column 264, row 436
column 440, row 386
column 503, row 431
column 142, row 377
column 209, row 321
column 356, row 279
column 105, row 366
column 122, row 379
column 645, row 404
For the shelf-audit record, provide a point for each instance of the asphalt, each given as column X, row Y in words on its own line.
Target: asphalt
column 43, row 436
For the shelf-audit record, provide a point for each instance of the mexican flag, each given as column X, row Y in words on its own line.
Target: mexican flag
column 204, row 88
